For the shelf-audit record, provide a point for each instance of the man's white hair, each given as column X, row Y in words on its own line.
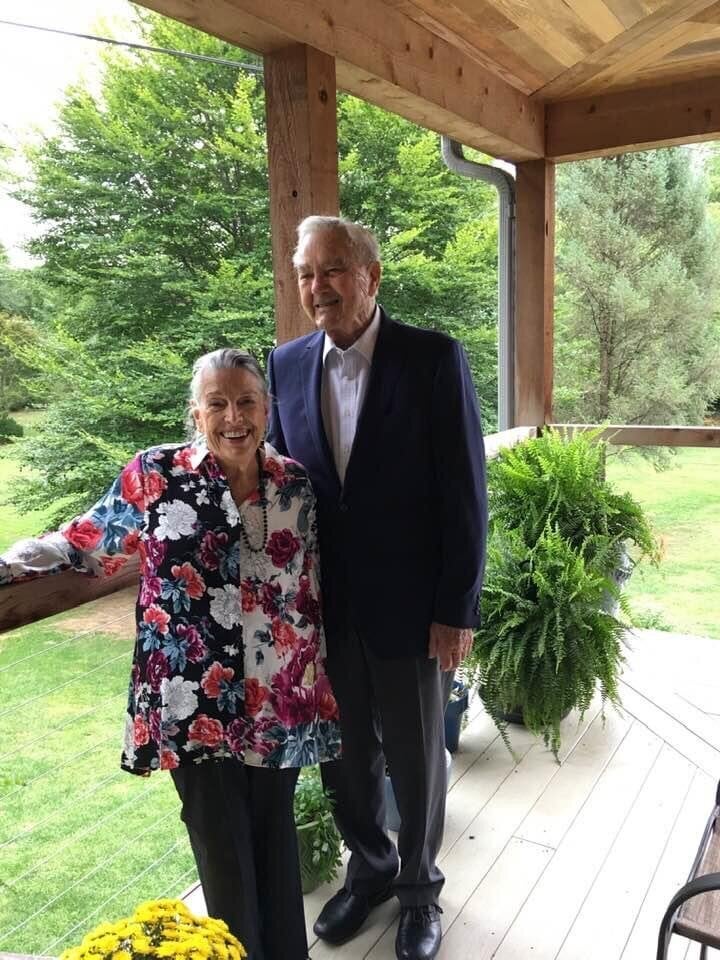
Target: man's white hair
column 362, row 242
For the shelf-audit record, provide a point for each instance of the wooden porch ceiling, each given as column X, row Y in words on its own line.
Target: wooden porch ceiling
column 517, row 79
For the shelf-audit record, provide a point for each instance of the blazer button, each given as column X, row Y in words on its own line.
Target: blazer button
column 344, row 508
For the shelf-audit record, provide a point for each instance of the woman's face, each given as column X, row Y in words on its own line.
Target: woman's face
column 231, row 412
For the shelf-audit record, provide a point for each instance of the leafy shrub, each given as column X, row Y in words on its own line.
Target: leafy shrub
column 319, row 840
column 9, row 428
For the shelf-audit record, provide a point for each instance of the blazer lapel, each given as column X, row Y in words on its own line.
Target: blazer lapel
column 378, row 399
column 311, row 374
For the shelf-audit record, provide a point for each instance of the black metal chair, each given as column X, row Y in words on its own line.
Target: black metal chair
column 694, row 911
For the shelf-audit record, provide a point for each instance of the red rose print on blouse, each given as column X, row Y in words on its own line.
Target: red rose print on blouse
column 83, row 534
column 157, row 618
column 131, row 542
column 283, row 634
column 212, row 546
column 141, row 732
column 282, row 547
column 194, row 583
column 255, row 696
column 206, row 730
column 196, row 649
column 141, row 489
column 235, row 734
column 270, row 594
column 247, row 592
column 111, row 565
column 325, row 699
column 182, row 460
column 213, row 677
column 168, row 759
column 157, row 669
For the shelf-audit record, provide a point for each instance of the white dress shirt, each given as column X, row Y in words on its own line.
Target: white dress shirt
column 344, row 385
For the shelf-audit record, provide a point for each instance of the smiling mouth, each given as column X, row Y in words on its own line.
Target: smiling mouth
column 326, row 303
column 235, row 434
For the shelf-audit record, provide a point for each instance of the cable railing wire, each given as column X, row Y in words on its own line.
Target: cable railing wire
column 86, row 876
column 63, row 643
column 115, row 776
column 86, row 831
column 64, row 725
column 67, row 683
column 184, row 54
column 49, row 773
column 82, row 924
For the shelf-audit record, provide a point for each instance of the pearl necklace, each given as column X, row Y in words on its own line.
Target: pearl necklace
column 263, row 502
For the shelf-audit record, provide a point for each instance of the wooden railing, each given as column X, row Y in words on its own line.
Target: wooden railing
column 634, row 435
column 25, row 603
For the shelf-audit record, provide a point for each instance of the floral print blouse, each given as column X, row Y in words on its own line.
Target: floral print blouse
column 229, row 658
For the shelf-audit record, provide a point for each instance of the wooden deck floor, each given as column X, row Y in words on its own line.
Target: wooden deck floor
column 575, row 861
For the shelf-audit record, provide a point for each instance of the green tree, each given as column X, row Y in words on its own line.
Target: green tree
column 438, row 233
column 153, row 199
column 636, row 319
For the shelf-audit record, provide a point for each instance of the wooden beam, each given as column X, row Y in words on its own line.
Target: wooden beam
column 495, row 442
column 634, row 120
column 303, row 163
column 534, row 291
column 386, row 58
column 633, row 435
column 23, row 603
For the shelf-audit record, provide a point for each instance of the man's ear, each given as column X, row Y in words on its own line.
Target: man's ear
column 375, row 272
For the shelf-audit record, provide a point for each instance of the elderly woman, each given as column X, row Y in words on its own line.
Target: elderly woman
column 228, row 689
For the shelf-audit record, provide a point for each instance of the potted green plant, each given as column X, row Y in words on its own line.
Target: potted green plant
column 558, row 535
column 319, row 842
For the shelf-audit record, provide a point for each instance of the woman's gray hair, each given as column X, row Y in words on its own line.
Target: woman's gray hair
column 362, row 242
column 227, row 358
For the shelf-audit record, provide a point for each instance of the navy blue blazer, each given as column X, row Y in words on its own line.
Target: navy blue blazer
column 402, row 542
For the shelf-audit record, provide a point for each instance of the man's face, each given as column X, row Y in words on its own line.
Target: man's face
column 336, row 292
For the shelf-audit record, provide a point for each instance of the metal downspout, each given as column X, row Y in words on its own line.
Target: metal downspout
column 452, row 154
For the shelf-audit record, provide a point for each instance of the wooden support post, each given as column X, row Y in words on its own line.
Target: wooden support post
column 534, row 293
column 303, row 165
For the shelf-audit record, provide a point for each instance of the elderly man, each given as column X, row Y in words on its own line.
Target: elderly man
column 384, row 418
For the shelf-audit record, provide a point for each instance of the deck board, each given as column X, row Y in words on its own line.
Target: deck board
column 575, row 861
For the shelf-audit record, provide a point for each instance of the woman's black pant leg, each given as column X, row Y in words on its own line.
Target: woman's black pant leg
column 241, row 828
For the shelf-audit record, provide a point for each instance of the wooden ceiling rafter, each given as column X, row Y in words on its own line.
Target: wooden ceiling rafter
column 516, row 79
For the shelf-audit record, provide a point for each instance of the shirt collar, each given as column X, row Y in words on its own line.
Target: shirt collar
column 199, row 451
column 364, row 345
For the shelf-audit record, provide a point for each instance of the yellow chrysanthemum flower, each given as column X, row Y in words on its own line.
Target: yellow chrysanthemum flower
column 159, row 929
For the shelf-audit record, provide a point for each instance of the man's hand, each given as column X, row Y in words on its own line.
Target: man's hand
column 449, row 644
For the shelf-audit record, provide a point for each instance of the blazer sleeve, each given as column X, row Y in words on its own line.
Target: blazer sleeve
column 275, row 431
column 459, row 456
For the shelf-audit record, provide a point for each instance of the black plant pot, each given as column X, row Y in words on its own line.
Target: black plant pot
column 453, row 718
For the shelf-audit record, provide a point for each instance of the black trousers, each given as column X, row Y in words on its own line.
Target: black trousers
column 390, row 710
column 242, row 831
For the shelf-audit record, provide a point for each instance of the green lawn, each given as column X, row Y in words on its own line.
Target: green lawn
column 81, row 840
column 683, row 503
column 15, row 525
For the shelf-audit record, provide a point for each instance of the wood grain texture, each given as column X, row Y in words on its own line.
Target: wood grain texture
column 634, row 120
column 23, row 603
column 411, row 69
column 649, row 436
column 302, row 162
column 534, row 293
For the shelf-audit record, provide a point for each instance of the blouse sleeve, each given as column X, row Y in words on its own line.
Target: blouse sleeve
column 97, row 543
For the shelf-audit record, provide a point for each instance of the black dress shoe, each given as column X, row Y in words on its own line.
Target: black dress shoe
column 344, row 914
column 419, row 933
